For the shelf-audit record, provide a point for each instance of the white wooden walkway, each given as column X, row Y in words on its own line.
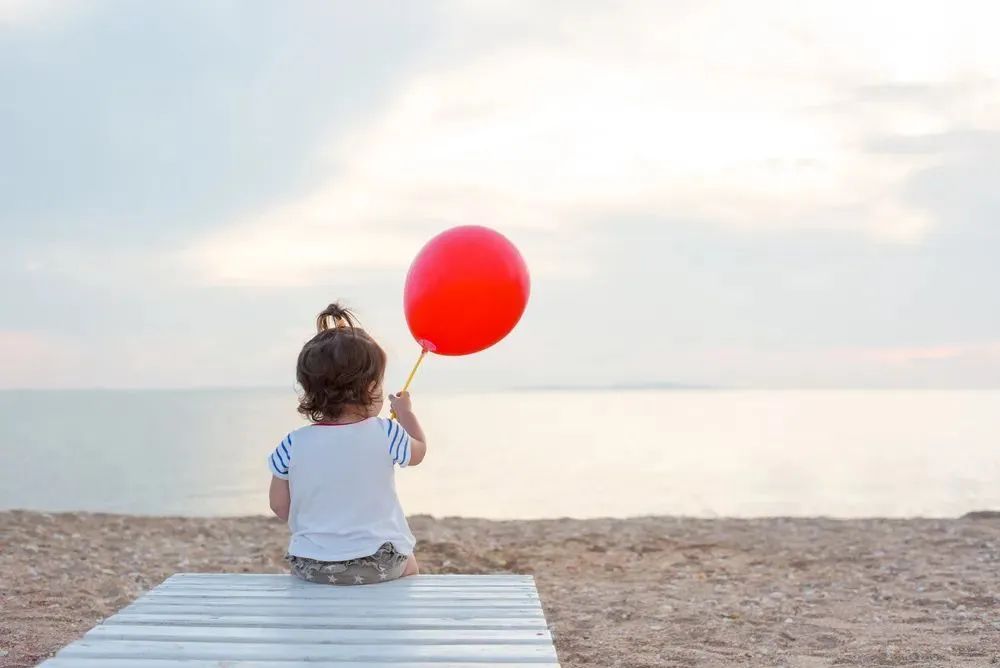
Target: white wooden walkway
column 197, row 620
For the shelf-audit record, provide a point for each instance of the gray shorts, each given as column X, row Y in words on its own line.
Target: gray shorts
column 386, row 564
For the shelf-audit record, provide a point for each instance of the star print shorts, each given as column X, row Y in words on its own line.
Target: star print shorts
column 386, row 564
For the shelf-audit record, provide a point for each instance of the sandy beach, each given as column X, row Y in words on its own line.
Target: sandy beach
column 638, row 593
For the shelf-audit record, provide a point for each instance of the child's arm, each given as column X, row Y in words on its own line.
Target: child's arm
column 281, row 497
column 279, row 462
column 400, row 404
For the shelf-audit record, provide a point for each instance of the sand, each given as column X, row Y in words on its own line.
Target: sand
column 642, row 593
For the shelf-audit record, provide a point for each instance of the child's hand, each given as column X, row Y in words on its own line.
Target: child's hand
column 400, row 403
column 403, row 411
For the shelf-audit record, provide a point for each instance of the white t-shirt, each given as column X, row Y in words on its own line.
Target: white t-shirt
column 342, row 482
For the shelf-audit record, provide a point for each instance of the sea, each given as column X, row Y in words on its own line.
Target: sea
column 527, row 454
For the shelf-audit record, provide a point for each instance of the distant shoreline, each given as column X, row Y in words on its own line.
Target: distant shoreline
column 613, row 387
column 616, row 387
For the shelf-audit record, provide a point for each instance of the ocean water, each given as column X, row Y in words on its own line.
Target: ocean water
column 527, row 454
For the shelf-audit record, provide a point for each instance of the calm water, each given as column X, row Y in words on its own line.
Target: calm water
column 526, row 455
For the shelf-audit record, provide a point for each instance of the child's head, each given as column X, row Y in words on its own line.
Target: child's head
column 340, row 369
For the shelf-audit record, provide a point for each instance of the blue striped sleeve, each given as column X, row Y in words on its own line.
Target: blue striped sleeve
column 398, row 440
column 400, row 448
column 280, row 460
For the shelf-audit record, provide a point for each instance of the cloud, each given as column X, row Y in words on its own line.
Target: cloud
column 741, row 118
column 139, row 123
column 774, row 194
column 37, row 359
column 918, row 355
column 30, row 13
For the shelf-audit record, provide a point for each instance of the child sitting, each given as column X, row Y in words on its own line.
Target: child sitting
column 333, row 480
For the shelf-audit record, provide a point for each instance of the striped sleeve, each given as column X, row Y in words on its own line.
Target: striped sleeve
column 281, row 458
column 399, row 442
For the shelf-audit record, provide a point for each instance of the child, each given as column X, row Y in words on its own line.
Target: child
column 333, row 480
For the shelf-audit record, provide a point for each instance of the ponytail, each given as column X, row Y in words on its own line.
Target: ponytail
column 334, row 316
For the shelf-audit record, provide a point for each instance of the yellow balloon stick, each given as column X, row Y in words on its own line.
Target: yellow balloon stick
column 413, row 372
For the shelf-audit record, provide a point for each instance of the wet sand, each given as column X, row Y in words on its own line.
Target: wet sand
column 638, row 593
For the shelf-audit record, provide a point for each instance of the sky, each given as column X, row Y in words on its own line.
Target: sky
column 768, row 194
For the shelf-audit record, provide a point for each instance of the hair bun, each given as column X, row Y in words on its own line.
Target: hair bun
column 333, row 317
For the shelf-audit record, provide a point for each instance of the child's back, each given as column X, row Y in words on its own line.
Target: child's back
column 334, row 480
column 343, row 491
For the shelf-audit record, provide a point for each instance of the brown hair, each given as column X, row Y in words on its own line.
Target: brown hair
column 339, row 367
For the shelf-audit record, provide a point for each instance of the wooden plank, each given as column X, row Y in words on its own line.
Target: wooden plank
column 81, row 662
column 369, row 590
column 251, row 598
column 292, row 601
column 368, row 593
column 233, row 651
column 283, row 580
column 299, row 585
column 326, row 609
column 330, row 636
column 345, row 621
column 500, row 579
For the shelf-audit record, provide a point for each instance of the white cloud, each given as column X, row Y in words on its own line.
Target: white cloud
column 27, row 13
column 32, row 359
column 908, row 355
column 732, row 114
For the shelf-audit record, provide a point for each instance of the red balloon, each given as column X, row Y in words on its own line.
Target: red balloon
column 465, row 291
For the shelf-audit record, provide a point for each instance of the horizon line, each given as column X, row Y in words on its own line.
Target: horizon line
column 584, row 387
